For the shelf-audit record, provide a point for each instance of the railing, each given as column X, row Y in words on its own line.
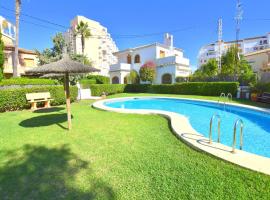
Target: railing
column 222, row 95
column 210, row 129
column 241, row 134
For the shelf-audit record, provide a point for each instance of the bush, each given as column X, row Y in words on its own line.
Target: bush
column 148, row 71
column 261, row 87
column 194, row 88
column 99, row 79
column 28, row 81
column 85, row 83
column 14, row 99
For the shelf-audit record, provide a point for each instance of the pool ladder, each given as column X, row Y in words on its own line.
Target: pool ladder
column 238, row 121
column 228, row 98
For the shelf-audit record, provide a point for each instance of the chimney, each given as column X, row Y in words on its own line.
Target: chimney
column 168, row 40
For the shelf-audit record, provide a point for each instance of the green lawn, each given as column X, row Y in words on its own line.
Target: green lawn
column 111, row 156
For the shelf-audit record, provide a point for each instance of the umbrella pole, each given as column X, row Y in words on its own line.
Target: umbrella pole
column 67, row 91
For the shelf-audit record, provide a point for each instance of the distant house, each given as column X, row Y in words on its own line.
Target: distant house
column 27, row 58
column 260, row 62
column 169, row 60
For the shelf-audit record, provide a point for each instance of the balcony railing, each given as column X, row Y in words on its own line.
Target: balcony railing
column 120, row 66
column 172, row 60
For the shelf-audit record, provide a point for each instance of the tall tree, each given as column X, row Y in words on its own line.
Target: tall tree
column 83, row 31
column 2, row 57
column 16, row 56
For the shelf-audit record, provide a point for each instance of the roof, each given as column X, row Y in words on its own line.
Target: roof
column 145, row 46
column 258, row 52
column 21, row 50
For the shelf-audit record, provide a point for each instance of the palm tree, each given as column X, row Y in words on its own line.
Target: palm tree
column 17, row 13
column 83, row 30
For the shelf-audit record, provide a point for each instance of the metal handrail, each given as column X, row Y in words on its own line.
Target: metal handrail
column 241, row 134
column 229, row 97
column 210, row 129
column 224, row 96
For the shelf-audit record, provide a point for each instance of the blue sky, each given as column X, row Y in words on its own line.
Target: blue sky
column 195, row 21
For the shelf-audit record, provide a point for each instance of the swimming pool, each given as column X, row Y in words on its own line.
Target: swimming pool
column 256, row 137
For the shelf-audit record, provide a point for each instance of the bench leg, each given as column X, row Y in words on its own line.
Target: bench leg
column 33, row 105
column 47, row 104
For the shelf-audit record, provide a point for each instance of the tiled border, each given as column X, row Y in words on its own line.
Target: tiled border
column 183, row 130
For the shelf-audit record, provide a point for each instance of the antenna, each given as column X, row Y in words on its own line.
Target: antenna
column 219, row 43
column 238, row 19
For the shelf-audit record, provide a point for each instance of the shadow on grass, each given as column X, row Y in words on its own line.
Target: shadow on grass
column 38, row 172
column 49, row 110
column 45, row 120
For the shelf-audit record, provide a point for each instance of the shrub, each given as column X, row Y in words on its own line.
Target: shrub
column 261, row 87
column 134, row 77
column 85, row 83
column 2, row 57
column 99, row 79
column 148, row 71
column 194, row 88
column 14, row 99
column 28, row 81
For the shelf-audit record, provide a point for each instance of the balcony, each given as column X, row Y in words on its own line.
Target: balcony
column 120, row 67
column 172, row 60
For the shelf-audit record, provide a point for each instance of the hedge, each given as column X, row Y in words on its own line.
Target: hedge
column 261, row 87
column 99, row 79
column 28, row 81
column 14, row 99
column 191, row 88
column 98, row 89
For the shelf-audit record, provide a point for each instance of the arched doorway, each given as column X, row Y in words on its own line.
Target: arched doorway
column 115, row 80
column 166, row 79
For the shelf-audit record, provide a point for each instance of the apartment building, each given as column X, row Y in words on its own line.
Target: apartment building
column 246, row 46
column 27, row 58
column 99, row 47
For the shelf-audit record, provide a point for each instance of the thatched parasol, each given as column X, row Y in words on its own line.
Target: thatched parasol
column 64, row 67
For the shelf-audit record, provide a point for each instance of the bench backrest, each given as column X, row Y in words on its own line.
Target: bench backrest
column 39, row 95
column 266, row 94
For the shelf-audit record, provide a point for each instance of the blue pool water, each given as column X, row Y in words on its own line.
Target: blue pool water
column 256, row 124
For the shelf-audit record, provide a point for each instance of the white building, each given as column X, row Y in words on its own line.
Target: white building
column 246, row 46
column 99, row 48
column 169, row 60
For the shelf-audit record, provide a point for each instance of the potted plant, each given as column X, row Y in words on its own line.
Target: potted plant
column 254, row 96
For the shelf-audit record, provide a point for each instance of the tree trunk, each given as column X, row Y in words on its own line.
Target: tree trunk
column 16, row 53
column 82, row 40
column 67, row 92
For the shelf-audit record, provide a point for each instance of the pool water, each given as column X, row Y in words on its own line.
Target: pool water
column 256, row 132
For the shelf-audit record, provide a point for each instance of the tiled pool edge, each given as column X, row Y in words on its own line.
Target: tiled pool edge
column 187, row 134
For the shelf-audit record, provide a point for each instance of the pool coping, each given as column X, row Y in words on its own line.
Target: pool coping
column 190, row 136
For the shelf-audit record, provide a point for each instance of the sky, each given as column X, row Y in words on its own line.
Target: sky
column 193, row 23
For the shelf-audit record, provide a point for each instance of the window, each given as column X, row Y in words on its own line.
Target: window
column 137, row 59
column 129, row 59
column 28, row 62
column 265, row 42
column 161, row 54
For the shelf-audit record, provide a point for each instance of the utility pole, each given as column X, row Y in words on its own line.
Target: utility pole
column 238, row 19
column 219, row 43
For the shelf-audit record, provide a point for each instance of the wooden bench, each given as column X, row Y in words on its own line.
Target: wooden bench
column 33, row 98
column 265, row 97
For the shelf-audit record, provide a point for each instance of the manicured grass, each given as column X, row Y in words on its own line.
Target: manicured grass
column 111, row 156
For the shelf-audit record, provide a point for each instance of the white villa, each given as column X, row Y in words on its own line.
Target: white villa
column 169, row 60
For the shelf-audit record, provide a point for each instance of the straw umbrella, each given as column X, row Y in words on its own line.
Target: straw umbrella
column 64, row 67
